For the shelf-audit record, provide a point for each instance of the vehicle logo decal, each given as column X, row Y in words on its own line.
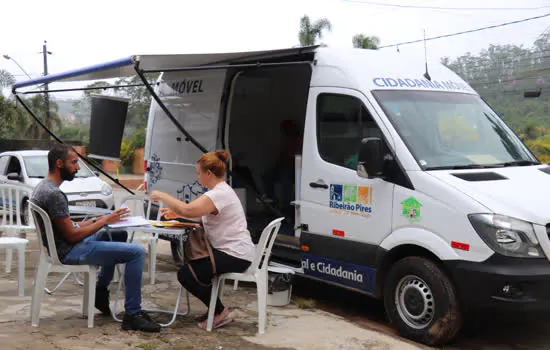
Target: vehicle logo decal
column 411, row 209
column 351, row 199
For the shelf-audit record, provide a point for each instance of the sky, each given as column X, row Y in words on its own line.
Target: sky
column 82, row 33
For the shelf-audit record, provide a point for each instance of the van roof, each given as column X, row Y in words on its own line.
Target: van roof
column 353, row 68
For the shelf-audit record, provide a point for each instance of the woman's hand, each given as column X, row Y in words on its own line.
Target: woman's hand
column 157, row 196
column 168, row 214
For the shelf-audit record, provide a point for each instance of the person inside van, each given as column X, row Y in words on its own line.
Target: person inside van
column 283, row 170
column 225, row 225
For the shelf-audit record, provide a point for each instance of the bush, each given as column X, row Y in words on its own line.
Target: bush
column 126, row 152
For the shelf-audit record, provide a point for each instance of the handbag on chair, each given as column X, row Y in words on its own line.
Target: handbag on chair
column 198, row 247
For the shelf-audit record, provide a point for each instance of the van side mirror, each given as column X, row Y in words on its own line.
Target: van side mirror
column 371, row 159
column 14, row 177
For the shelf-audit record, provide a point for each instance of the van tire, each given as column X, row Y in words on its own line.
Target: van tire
column 428, row 293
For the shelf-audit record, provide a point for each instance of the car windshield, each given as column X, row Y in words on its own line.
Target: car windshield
column 37, row 167
column 446, row 130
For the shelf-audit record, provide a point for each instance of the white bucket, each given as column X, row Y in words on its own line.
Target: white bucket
column 279, row 286
column 281, row 298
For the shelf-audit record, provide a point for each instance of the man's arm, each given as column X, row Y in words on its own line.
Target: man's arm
column 75, row 234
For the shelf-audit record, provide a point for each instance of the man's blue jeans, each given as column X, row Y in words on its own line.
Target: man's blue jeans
column 98, row 249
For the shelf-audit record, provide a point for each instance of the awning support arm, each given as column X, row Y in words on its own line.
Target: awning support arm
column 157, row 99
column 60, row 141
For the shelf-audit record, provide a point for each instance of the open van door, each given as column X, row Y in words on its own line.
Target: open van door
column 344, row 215
column 194, row 99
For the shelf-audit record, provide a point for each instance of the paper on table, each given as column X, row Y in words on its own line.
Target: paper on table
column 131, row 221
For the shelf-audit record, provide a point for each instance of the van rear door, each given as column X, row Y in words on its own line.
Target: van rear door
column 193, row 98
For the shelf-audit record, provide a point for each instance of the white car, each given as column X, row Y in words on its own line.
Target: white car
column 30, row 167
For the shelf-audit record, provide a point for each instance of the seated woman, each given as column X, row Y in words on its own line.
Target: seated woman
column 225, row 226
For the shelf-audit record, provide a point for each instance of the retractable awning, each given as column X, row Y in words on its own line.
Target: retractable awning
column 125, row 67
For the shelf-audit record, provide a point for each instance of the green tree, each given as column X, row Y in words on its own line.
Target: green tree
column 6, row 79
column 361, row 41
column 310, row 32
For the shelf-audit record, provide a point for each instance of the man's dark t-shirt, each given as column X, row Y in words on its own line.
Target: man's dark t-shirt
column 53, row 201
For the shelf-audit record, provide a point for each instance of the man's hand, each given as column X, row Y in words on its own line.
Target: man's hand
column 117, row 215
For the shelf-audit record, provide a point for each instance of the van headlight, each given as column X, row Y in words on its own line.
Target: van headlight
column 106, row 189
column 506, row 235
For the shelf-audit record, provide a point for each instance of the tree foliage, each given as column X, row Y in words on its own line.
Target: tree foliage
column 6, row 79
column 310, row 32
column 362, row 41
column 501, row 74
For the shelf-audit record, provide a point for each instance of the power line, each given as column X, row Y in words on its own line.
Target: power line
column 448, row 8
column 489, row 65
column 474, row 82
column 466, row 31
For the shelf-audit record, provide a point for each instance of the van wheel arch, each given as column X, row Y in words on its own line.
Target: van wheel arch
column 397, row 254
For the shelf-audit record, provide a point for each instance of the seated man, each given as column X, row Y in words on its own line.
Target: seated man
column 87, row 243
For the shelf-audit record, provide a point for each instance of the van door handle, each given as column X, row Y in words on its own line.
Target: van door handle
column 318, row 185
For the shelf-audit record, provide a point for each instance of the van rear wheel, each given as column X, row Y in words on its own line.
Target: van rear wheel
column 421, row 301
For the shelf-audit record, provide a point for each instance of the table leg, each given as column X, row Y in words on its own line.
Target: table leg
column 174, row 313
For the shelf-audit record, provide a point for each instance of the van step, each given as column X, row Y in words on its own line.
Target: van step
column 286, row 250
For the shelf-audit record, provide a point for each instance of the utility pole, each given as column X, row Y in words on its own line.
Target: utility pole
column 45, row 54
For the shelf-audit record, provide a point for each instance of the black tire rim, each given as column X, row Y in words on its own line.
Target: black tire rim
column 415, row 302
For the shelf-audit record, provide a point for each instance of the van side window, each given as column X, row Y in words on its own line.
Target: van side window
column 342, row 121
column 14, row 166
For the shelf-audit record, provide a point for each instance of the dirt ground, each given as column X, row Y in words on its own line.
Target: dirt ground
column 62, row 325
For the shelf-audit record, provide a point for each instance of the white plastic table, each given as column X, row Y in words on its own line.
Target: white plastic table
column 182, row 234
column 77, row 211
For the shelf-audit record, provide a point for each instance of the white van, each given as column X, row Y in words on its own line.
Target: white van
column 409, row 189
column 407, row 186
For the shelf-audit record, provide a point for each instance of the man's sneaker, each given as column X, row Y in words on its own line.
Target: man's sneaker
column 139, row 321
column 102, row 300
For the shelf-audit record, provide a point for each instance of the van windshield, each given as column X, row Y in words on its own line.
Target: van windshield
column 37, row 167
column 445, row 130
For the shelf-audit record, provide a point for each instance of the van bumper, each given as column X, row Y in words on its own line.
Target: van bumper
column 503, row 282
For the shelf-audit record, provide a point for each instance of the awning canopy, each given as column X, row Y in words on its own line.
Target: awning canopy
column 124, row 67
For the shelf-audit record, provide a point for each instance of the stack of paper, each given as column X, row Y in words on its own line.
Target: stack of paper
column 130, row 221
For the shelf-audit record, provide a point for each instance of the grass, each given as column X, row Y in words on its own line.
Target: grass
column 147, row 346
column 303, row 303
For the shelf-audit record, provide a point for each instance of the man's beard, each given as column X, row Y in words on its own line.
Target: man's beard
column 66, row 175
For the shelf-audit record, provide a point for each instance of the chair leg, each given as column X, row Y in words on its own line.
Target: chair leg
column 119, row 271
column 86, row 299
column 38, row 291
column 9, row 254
column 21, row 270
column 235, row 284
column 213, row 298
column 91, row 280
column 152, row 260
column 261, row 286
column 221, row 289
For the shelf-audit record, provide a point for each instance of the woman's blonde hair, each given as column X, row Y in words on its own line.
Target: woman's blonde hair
column 215, row 162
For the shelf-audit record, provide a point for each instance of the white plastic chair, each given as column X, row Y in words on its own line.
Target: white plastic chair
column 49, row 262
column 138, row 208
column 11, row 197
column 257, row 273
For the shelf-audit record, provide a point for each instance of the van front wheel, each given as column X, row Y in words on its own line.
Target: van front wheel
column 421, row 302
